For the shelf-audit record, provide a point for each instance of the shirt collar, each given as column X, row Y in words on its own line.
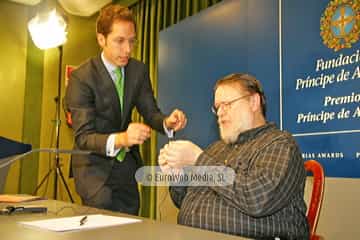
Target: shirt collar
column 110, row 67
column 254, row 132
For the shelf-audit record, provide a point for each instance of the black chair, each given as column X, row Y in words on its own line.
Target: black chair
column 9, row 148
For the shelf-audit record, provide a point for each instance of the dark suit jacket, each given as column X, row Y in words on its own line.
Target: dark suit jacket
column 93, row 102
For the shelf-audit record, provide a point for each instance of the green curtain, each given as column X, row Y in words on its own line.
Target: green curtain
column 152, row 16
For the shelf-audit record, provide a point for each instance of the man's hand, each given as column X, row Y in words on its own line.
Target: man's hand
column 164, row 166
column 176, row 120
column 178, row 154
column 136, row 133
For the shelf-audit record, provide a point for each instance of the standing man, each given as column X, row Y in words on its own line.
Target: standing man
column 266, row 198
column 101, row 95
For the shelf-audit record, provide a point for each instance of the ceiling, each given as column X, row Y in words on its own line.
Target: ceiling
column 83, row 7
column 27, row 2
column 74, row 7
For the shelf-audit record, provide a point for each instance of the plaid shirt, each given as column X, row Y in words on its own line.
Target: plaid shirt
column 267, row 197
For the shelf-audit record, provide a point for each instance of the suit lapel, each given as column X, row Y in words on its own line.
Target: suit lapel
column 129, row 84
column 109, row 89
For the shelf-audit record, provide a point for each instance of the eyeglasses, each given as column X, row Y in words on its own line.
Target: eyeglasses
column 226, row 105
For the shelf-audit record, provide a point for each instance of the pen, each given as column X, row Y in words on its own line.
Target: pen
column 83, row 220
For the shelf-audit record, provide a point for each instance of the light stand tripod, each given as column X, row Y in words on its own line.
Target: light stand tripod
column 57, row 167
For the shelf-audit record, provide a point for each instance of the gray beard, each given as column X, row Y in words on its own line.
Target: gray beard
column 230, row 137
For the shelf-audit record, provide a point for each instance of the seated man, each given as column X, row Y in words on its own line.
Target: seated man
column 265, row 199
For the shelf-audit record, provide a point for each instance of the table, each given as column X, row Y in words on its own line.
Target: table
column 147, row 229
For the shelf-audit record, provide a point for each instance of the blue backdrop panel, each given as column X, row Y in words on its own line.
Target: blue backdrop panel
column 232, row 36
column 333, row 153
column 243, row 36
column 333, row 141
column 263, row 51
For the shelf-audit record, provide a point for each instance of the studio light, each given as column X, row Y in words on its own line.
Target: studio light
column 48, row 30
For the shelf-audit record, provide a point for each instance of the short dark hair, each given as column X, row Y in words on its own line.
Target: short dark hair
column 110, row 14
column 248, row 83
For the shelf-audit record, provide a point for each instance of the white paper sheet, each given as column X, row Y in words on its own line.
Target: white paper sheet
column 73, row 223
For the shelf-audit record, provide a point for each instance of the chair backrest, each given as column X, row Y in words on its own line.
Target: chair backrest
column 317, row 193
column 9, row 148
column 3, row 174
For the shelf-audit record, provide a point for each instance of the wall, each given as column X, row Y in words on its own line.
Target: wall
column 15, row 48
column 13, row 45
column 340, row 209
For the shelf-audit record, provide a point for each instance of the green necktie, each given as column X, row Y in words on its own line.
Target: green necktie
column 119, row 83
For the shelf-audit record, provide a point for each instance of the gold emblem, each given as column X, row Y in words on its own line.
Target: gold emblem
column 340, row 24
